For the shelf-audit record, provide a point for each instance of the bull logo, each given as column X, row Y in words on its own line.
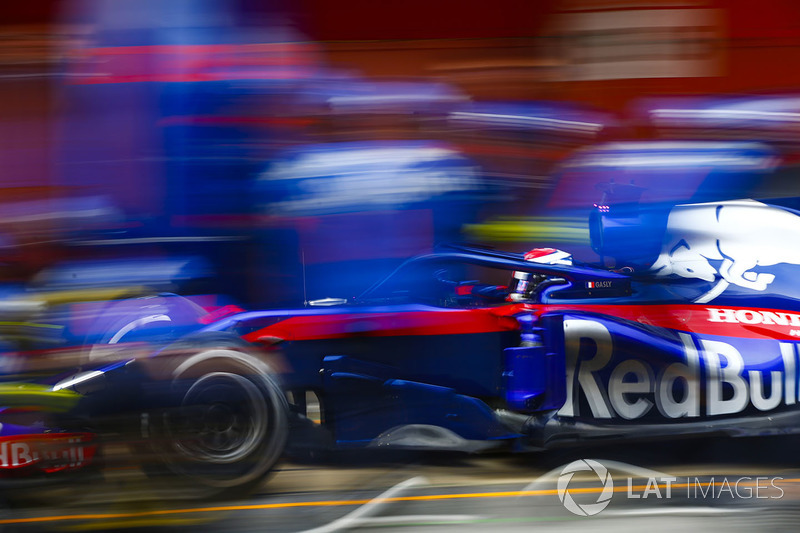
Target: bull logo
column 743, row 234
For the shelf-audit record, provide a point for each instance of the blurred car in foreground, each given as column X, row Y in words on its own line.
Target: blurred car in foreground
column 699, row 338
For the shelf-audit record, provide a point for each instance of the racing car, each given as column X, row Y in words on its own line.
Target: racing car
column 692, row 331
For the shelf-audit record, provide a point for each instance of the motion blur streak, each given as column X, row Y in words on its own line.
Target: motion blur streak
column 337, row 503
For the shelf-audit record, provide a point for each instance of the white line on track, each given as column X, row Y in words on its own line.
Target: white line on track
column 363, row 516
column 354, row 518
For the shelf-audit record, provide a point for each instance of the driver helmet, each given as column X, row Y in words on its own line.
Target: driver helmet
column 524, row 283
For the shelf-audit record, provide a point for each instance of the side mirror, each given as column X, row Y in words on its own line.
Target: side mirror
column 327, row 302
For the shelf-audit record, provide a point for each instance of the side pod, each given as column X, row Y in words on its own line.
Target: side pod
column 536, row 370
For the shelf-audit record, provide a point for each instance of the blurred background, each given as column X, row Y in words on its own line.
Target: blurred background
column 300, row 150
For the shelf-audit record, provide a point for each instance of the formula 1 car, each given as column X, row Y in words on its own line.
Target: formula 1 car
column 700, row 336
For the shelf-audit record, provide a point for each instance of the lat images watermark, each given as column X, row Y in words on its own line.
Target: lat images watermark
column 596, row 488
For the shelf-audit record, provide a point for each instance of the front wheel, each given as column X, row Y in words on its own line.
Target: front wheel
column 228, row 426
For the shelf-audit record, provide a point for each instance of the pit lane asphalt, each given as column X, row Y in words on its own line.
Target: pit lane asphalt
column 446, row 492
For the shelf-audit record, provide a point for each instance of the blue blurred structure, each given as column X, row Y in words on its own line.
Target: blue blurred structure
column 664, row 171
column 519, row 144
column 773, row 119
column 171, row 107
column 340, row 216
column 769, row 118
column 174, row 109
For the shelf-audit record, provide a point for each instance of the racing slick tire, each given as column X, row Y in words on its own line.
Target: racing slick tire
column 227, row 421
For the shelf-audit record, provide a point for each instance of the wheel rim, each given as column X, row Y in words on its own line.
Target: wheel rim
column 222, row 419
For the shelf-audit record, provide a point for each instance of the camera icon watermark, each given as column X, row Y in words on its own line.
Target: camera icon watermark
column 603, row 498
